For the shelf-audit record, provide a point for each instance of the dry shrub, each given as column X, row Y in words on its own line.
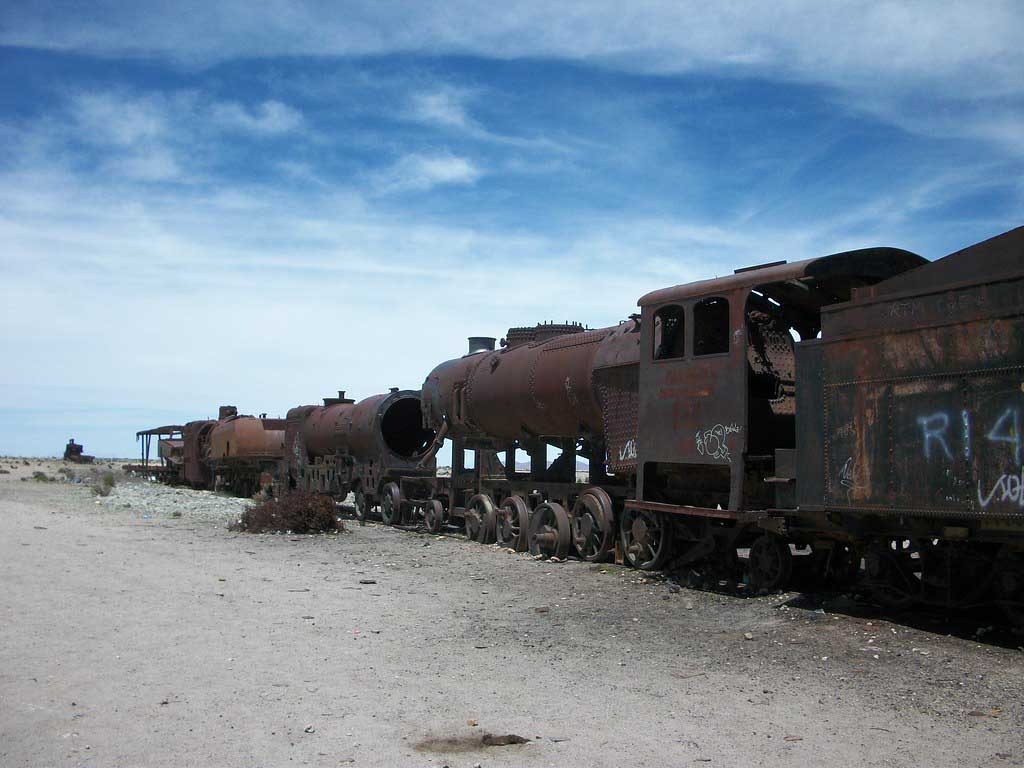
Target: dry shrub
column 104, row 485
column 297, row 512
column 42, row 477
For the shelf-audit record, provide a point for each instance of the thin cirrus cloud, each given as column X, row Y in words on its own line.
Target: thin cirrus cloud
column 270, row 117
column 422, row 172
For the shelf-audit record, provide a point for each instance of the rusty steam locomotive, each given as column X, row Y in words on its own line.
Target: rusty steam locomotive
column 856, row 416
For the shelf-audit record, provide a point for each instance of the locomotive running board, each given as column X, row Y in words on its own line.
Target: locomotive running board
column 769, row 521
column 676, row 509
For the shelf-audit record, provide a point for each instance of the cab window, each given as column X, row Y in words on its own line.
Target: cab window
column 669, row 339
column 711, row 326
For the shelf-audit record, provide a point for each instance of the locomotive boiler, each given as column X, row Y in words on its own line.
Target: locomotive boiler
column 362, row 447
column 559, row 386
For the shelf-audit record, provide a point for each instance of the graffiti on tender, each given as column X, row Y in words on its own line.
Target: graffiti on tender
column 1007, row 430
column 848, row 473
column 628, row 450
column 713, row 442
column 936, row 438
column 933, row 429
column 1007, row 488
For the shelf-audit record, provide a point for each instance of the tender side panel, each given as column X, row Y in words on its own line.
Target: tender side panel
column 943, row 445
column 926, row 422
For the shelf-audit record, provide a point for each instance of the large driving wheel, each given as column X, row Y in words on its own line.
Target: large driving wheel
column 771, row 563
column 550, row 533
column 512, row 524
column 593, row 519
column 645, row 538
column 391, row 504
column 480, row 519
column 433, row 515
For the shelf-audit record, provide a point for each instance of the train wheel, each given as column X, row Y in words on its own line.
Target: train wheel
column 550, row 533
column 433, row 516
column 771, row 563
column 645, row 538
column 480, row 518
column 391, row 504
column 512, row 524
column 593, row 520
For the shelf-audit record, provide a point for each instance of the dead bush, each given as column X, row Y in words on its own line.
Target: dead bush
column 104, row 485
column 297, row 512
column 42, row 477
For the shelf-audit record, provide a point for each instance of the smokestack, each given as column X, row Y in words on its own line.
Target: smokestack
column 393, row 389
column 481, row 344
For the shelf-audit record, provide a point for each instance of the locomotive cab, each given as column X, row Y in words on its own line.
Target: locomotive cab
column 718, row 377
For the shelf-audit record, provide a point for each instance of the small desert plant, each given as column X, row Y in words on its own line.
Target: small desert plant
column 5, row 471
column 104, row 485
column 295, row 513
column 42, row 477
column 68, row 472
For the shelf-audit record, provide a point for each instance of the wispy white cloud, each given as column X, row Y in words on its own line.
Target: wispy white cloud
column 121, row 118
column 444, row 106
column 270, row 117
column 418, row 172
column 448, row 107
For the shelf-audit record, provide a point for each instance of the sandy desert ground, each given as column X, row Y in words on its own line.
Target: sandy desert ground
column 135, row 630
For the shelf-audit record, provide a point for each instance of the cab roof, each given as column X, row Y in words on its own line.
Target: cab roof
column 865, row 266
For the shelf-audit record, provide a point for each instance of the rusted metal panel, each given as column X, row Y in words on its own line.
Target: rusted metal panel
column 527, row 390
column 171, row 450
column 247, row 437
column 717, row 405
column 531, row 334
column 197, row 453
column 331, row 447
column 921, row 394
column 620, row 410
column 988, row 262
column 870, row 264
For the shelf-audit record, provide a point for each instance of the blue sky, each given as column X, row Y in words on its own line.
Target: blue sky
column 259, row 205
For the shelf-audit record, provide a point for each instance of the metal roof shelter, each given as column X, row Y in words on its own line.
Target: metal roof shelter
column 168, row 432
